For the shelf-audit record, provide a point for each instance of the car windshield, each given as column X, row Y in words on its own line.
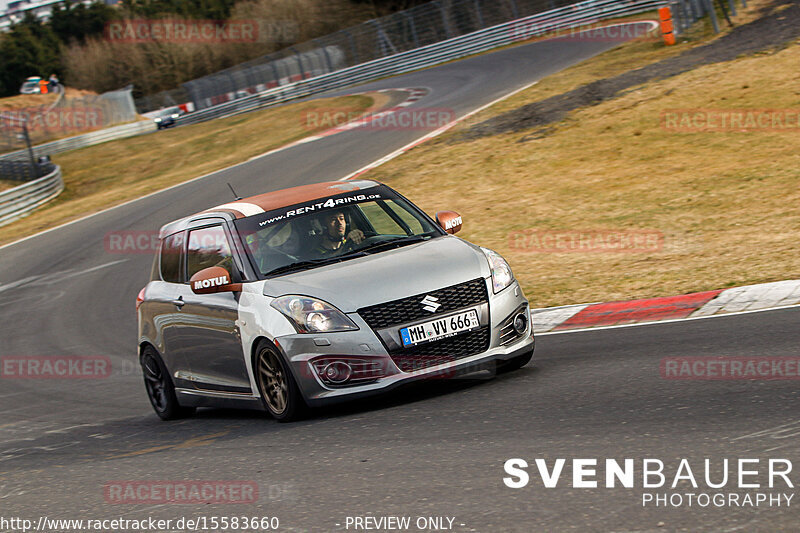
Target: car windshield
column 169, row 111
column 330, row 230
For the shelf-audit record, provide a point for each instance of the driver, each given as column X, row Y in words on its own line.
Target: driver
column 335, row 238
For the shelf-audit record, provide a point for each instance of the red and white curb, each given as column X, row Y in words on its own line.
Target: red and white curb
column 696, row 305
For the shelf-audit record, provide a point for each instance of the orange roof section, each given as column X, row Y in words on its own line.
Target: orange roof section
column 270, row 201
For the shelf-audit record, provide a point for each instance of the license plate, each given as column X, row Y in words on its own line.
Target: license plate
column 440, row 328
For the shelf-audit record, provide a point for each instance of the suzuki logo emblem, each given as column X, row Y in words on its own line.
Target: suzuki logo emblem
column 429, row 303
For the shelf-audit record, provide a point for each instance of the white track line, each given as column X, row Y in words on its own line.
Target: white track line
column 285, row 147
column 431, row 135
column 446, row 127
column 220, row 170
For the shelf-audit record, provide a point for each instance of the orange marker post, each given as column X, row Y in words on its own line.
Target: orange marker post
column 665, row 14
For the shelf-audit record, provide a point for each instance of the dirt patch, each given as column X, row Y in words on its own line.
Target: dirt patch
column 776, row 28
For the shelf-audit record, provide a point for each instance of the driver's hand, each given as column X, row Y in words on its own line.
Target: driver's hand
column 356, row 236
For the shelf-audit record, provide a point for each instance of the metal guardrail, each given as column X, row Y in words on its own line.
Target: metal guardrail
column 21, row 200
column 571, row 16
column 84, row 140
column 687, row 12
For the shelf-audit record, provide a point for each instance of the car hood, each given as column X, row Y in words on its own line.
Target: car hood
column 386, row 276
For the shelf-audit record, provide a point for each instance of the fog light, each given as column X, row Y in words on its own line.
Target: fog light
column 520, row 323
column 337, row 372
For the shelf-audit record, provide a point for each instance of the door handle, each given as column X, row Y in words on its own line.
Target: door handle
column 178, row 302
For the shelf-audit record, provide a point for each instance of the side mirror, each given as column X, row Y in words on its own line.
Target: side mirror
column 450, row 221
column 213, row 279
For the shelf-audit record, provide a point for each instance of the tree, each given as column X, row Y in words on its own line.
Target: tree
column 196, row 9
column 75, row 22
column 29, row 49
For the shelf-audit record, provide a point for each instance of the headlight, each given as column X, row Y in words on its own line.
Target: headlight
column 309, row 315
column 501, row 272
column 158, row 120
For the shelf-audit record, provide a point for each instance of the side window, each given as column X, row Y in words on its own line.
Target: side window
column 171, row 254
column 208, row 247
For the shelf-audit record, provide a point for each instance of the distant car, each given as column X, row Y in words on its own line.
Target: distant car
column 167, row 117
column 321, row 293
column 31, row 86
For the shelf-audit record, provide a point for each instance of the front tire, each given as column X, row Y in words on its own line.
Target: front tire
column 160, row 389
column 276, row 385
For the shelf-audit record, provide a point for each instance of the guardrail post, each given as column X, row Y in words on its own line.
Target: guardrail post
column 713, row 13
column 325, row 53
column 352, row 46
column 686, row 20
column 385, row 45
column 447, row 30
column 34, row 168
column 275, row 71
column 478, row 13
column 413, row 26
column 699, row 9
column 299, row 61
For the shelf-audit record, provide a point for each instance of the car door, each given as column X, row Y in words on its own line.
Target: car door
column 161, row 316
column 210, row 337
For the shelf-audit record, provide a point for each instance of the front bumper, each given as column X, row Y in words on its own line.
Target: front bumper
column 300, row 350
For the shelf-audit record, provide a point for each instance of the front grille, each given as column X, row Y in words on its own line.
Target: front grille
column 410, row 309
column 443, row 351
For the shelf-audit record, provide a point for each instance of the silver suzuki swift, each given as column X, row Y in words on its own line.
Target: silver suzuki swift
column 321, row 293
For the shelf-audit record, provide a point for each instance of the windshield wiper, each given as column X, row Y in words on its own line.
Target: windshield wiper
column 302, row 265
column 394, row 243
column 361, row 252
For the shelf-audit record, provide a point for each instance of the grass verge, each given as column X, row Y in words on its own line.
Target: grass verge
column 112, row 173
column 724, row 203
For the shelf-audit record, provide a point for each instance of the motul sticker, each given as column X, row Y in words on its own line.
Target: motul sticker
column 211, row 282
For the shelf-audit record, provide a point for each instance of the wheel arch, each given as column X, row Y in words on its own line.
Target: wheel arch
column 143, row 345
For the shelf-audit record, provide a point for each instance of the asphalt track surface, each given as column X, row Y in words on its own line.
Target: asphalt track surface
column 435, row 449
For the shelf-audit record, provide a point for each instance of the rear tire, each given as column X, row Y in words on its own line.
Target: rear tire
column 276, row 385
column 159, row 387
